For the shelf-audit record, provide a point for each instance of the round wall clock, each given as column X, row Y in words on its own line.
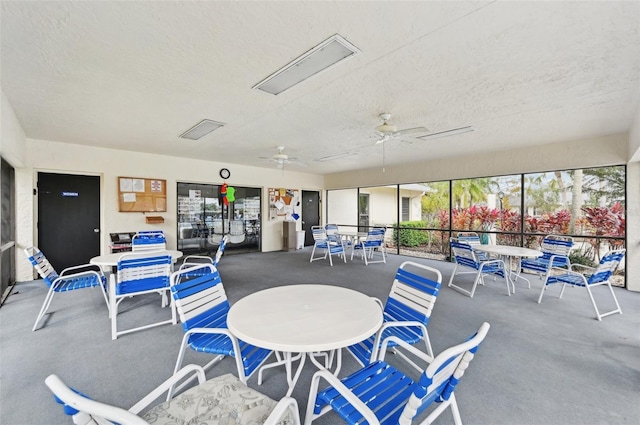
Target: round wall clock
column 225, row 173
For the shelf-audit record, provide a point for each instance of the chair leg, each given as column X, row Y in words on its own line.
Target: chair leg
column 595, row 307
column 544, row 288
column 45, row 307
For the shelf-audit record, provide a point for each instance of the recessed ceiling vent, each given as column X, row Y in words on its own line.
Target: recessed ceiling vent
column 201, row 129
column 323, row 56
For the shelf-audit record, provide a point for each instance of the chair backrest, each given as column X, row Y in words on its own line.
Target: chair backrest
column 41, row 264
column 556, row 245
column 464, row 254
column 471, row 238
column 195, row 260
column 608, row 264
column 412, row 295
column 199, row 297
column 442, row 375
column 221, row 248
column 331, row 229
column 139, row 272
column 319, row 233
column 149, row 240
column 375, row 237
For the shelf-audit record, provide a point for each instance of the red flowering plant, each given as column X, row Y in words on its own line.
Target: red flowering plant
column 603, row 221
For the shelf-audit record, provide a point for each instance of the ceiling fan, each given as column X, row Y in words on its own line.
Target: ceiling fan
column 387, row 131
column 281, row 158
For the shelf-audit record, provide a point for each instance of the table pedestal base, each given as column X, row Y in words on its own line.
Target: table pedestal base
column 287, row 360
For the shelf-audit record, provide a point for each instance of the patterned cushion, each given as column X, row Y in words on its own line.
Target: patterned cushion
column 219, row 401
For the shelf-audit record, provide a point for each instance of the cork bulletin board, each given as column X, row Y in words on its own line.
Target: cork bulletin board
column 283, row 202
column 142, row 195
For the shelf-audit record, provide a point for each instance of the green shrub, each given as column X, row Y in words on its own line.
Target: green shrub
column 409, row 237
column 579, row 257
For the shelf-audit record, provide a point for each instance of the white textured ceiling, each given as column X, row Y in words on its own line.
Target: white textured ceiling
column 135, row 75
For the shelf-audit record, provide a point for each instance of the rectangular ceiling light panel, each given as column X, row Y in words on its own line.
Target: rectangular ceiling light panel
column 201, row 129
column 445, row 133
column 323, row 56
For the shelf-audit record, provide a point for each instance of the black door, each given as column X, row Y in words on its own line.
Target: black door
column 310, row 214
column 68, row 218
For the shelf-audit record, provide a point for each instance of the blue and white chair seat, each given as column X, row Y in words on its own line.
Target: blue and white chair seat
column 467, row 262
column 406, row 313
column 70, row 279
column 593, row 277
column 380, row 394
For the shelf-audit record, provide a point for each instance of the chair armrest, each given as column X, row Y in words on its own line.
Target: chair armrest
column 286, row 404
column 410, row 348
column 95, row 269
column 582, row 266
column 357, row 404
column 221, row 331
column 379, row 302
column 192, row 369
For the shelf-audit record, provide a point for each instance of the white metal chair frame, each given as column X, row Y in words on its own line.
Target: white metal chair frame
column 138, row 274
column 588, row 277
column 372, row 244
column 87, row 411
column 381, row 394
column 465, row 256
column 201, row 302
column 406, row 313
column 329, row 247
column 68, row 280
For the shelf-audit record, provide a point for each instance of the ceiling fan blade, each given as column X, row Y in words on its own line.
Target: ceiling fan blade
column 414, row 130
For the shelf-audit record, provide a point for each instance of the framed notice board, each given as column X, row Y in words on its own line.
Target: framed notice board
column 142, row 195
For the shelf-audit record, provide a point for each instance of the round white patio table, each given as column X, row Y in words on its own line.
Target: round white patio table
column 305, row 319
column 507, row 253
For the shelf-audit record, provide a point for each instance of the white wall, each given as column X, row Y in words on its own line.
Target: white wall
column 610, row 150
column 12, row 138
column 46, row 156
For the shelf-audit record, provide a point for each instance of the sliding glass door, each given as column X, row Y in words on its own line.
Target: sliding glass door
column 204, row 218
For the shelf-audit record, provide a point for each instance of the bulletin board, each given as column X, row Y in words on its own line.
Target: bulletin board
column 137, row 194
column 284, row 202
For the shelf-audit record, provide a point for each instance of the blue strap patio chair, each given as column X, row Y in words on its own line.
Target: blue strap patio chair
column 139, row 274
column 473, row 239
column 202, row 305
column 588, row 278
column 325, row 246
column 374, row 243
column 70, row 279
column 467, row 262
column 380, row 394
column 406, row 312
column 555, row 253
column 213, row 401
column 148, row 240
